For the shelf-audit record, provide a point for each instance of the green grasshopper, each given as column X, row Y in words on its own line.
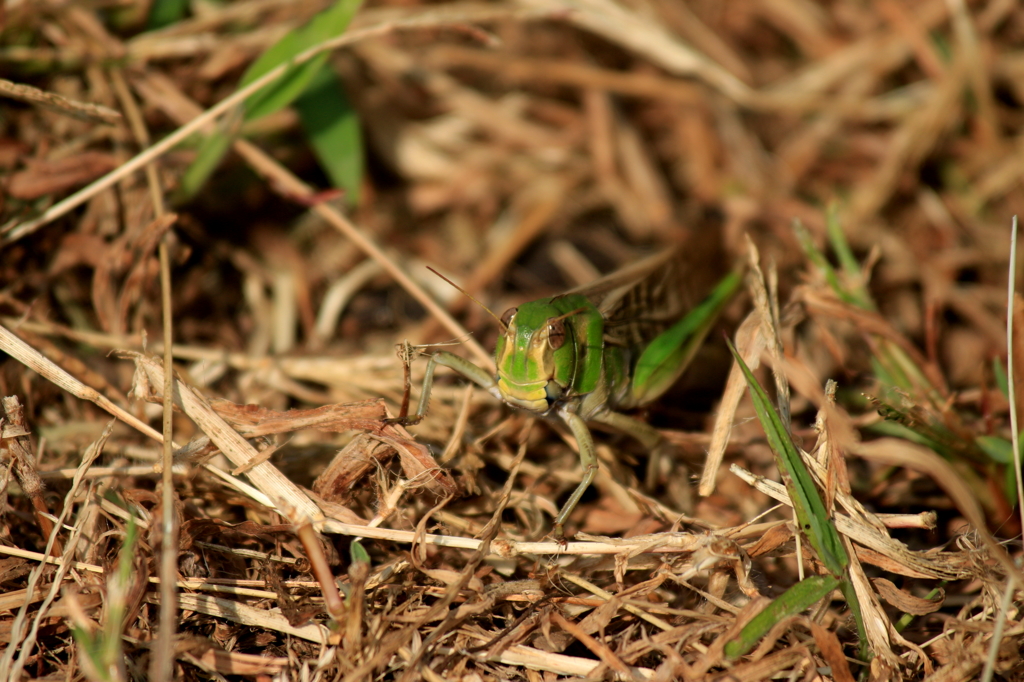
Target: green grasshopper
column 615, row 344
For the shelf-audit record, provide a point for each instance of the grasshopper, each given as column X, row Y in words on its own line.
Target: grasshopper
column 582, row 356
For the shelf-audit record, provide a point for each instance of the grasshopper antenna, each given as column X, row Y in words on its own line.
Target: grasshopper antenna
column 470, row 297
column 565, row 316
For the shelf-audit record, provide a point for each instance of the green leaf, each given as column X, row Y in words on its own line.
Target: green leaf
column 922, row 425
column 891, row 369
column 850, row 594
column 166, row 12
column 1000, row 374
column 998, row 449
column 275, row 96
column 810, row 510
column 103, row 648
column 793, row 601
column 211, row 153
column 897, row 430
column 118, row 587
column 333, row 129
column 811, row 514
column 127, row 554
column 844, row 254
column 358, row 553
column 821, row 262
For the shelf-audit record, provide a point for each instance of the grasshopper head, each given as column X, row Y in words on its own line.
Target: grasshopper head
column 536, row 357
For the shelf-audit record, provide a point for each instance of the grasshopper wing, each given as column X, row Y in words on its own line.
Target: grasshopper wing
column 639, row 301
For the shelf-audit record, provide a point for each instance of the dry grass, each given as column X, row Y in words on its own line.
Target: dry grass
column 520, row 148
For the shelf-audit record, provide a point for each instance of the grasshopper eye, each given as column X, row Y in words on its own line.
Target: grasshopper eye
column 556, row 334
column 506, row 317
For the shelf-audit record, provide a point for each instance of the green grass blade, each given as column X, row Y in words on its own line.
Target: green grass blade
column 857, row 298
column 844, row 254
column 333, row 129
column 850, row 594
column 102, row 651
column 793, row 601
column 211, row 153
column 330, row 23
column 358, row 553
column 117, row 597
column 810, row 510
column 922, row 425
column 898, row 430
column 1010, row 484
column 889, row 371
column 166, row 12
column 1000, row 375
column 820, row 261
column 998, row 449
column 275, row 96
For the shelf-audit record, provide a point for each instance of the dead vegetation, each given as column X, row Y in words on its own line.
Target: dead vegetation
column 521, row 148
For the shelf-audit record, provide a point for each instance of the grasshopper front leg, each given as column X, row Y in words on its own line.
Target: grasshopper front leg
column 478, row 376
column 646, row 434
column 656, row 445
column 588, row 460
